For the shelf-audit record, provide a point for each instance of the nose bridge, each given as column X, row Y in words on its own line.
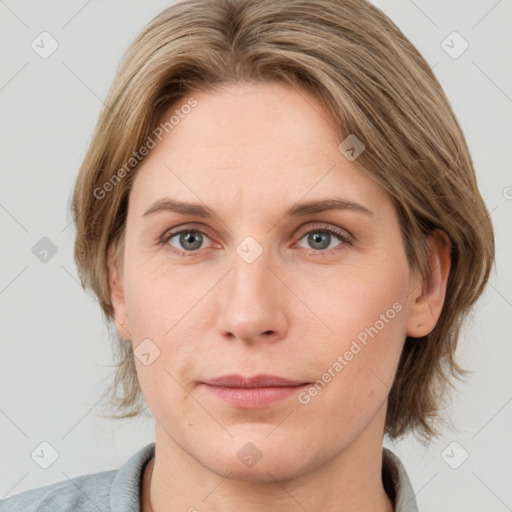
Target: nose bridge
column 250, row 277
column 250, row 260
column 252, row 304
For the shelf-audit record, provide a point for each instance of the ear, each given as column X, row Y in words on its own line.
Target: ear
column 115, row 281
column 427, row 296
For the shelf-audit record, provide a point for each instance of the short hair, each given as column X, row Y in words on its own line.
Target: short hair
column 376, row 85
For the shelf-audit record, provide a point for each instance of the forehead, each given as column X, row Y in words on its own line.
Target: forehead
column 245, row 143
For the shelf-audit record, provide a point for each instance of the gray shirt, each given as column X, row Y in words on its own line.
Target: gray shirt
column 119, row 490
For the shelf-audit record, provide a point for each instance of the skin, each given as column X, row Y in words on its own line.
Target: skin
column 250, row 152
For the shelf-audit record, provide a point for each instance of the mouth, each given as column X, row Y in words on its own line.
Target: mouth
column 253, row 392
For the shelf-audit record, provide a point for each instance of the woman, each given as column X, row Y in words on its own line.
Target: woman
column 279, row 212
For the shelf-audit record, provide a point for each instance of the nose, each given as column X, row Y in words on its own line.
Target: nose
column 252, row 303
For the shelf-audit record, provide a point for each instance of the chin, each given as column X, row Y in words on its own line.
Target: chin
column 268, row 469
column 256, row 457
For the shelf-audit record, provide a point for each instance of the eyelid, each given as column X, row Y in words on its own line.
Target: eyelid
column 325, row 226
column 169, row 233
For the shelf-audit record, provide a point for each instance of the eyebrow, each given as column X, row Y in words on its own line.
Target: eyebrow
column 298, row 210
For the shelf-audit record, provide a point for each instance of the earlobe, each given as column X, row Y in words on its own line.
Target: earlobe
column 427, row 298
column 117, row 295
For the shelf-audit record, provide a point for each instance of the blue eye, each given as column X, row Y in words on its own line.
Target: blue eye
column 188, row 239
column 321, row 239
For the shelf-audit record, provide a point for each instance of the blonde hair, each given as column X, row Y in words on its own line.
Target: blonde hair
column 376, row 85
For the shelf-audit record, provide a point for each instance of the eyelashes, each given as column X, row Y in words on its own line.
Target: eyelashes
column 189, row 241
column 325, row 233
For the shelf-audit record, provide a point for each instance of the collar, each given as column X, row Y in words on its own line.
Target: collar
column 397, row 484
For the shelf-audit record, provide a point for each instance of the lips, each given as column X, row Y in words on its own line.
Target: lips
column 258, row 381
column 253, row 392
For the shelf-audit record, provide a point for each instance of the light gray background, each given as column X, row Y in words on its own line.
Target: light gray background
column 54, row 346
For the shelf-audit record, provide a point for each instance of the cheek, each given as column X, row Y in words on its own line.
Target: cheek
column 359, row 299
column 159, row 301
column 167, row 319
column 365, row 310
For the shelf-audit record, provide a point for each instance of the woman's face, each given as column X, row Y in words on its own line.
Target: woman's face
column 255, row 248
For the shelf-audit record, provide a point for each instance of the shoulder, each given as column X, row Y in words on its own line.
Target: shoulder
column 87, row 492
column 108, row 491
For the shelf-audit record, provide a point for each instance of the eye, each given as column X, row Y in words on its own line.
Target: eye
column 324, row 239
column 185, row 240
column 321, row 240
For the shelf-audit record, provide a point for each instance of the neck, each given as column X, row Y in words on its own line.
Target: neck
column 350, row 481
